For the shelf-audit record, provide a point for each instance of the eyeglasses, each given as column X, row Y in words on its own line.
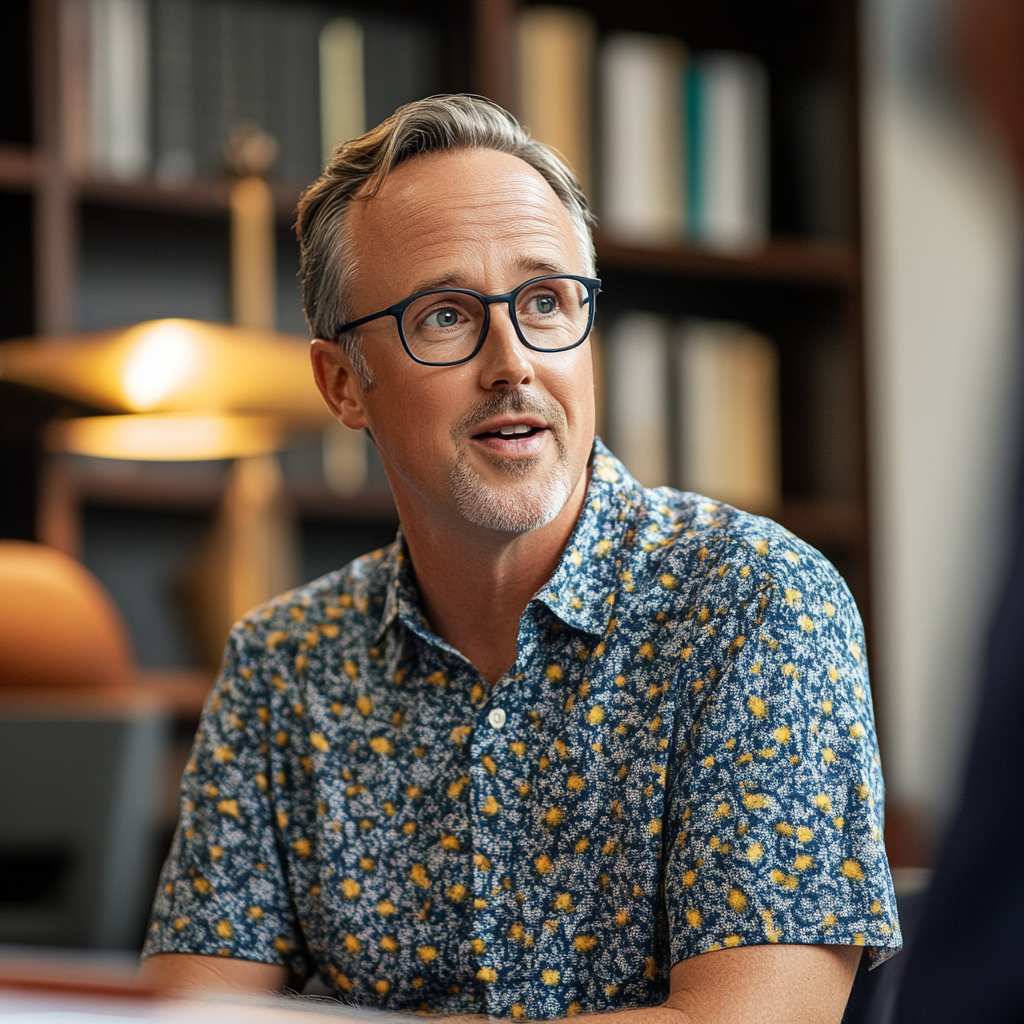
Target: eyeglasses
column 446, row 327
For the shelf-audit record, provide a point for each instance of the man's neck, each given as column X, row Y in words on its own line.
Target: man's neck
column 475, row 583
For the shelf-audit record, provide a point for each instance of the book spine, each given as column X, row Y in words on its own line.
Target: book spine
column 293, row 91
column 399, row 64
column 728, row 418
column 733, row 151
column 642, row 140
column 637, row 406
column 119, row 88
column 556, row 57
column 342, row 84
column 75, row 18
column 695, row 133
column 174, row 148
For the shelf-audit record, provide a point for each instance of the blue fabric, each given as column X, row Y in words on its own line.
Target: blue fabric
column 688, row 761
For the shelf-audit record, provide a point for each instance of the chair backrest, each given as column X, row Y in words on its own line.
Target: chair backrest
column 58, row 626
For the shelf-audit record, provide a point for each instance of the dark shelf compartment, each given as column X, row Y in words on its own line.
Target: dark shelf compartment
column 782, row 260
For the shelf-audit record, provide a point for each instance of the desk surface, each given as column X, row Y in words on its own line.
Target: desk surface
column 39, row 986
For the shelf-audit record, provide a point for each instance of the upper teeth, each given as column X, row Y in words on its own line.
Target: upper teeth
column 518, row 428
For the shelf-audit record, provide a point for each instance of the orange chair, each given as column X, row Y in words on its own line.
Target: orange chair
column 83, row 751
column 58, row 626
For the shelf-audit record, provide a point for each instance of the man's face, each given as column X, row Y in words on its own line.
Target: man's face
column 487, row 221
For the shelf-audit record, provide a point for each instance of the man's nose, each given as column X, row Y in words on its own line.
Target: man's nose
column 504, row 361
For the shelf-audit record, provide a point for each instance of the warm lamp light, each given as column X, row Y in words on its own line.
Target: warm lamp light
column 162, row 362
column 166, row 437
column 187, row 366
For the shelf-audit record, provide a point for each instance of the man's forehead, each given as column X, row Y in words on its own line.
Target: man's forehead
column 468, row 205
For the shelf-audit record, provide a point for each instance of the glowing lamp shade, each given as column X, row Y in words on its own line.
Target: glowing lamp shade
column 185, row 366
column 166, row 437
column 163, row 362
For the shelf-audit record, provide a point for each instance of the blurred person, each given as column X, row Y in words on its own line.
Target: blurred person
column 963, row 961
column 568, row 745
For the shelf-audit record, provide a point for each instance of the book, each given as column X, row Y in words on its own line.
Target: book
column 636, row 369
column 728, row 414
column 401, row 60
column 643, row 137
column 342, row 99
column 293, row 91
column 118, row 76
column 166, row 84
column 75, row 16
column 727, row 150
column 556, row 55
column 174, row 144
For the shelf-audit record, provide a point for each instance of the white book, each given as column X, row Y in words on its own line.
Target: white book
column 733, row 147
column 643, row 148
column 119, row 87
column 729, row 414
column 342, row 84
column 556, row 56
column 637, row 379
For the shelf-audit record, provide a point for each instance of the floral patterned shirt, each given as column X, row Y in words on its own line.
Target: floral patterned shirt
column 682, row 758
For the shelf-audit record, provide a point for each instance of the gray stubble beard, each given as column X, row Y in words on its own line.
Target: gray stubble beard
column 526, row 504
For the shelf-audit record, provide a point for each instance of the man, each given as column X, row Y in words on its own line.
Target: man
column 568, row 745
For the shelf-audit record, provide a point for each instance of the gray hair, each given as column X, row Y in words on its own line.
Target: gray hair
column 357, row 171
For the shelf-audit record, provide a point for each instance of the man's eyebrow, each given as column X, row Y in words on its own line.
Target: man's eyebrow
column 527, row 267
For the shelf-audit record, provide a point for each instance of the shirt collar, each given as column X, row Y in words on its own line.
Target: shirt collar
column 581, row 590
column 402, row 599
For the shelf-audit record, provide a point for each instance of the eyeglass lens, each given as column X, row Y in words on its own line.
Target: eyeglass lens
column 444, row 327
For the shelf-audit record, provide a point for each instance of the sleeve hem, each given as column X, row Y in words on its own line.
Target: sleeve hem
column 877, row 953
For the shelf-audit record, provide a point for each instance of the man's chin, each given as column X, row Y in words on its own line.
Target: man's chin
column 521, row 500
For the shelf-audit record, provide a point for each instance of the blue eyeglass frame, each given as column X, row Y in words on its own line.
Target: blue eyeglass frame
column 592, row 284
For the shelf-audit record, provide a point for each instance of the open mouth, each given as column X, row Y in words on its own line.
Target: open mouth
column 516, row 431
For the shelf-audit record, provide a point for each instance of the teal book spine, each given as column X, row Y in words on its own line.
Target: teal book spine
column 696, row 186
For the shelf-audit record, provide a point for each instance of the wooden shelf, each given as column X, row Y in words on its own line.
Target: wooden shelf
column 782, row 260
column 19, row 168
column 202, row 197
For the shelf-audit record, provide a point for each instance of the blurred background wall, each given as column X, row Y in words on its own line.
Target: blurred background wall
column 942, row 260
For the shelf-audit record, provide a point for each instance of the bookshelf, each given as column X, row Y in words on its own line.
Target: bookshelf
column 803, row 288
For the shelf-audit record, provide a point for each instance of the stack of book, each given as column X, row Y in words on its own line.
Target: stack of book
column 159, row 86
column 695, row 405
column 683, row 149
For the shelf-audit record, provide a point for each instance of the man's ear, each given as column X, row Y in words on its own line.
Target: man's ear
column 338, row 383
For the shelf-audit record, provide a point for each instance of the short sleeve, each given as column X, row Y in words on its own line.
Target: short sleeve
column 776, row 796
column 223, row 891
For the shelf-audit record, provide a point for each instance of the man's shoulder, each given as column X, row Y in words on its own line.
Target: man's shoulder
column 351, row 597
column 696, row 544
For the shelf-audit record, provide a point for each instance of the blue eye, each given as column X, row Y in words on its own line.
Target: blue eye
column 545, row 304
column 442, row 318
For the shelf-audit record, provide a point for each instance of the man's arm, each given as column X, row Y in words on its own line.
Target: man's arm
column 188, row 974
column 787, row 984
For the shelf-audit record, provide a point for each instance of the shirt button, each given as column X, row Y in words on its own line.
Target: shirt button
column 496, row 717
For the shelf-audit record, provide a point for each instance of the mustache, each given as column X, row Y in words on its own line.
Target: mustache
column 503, row 402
